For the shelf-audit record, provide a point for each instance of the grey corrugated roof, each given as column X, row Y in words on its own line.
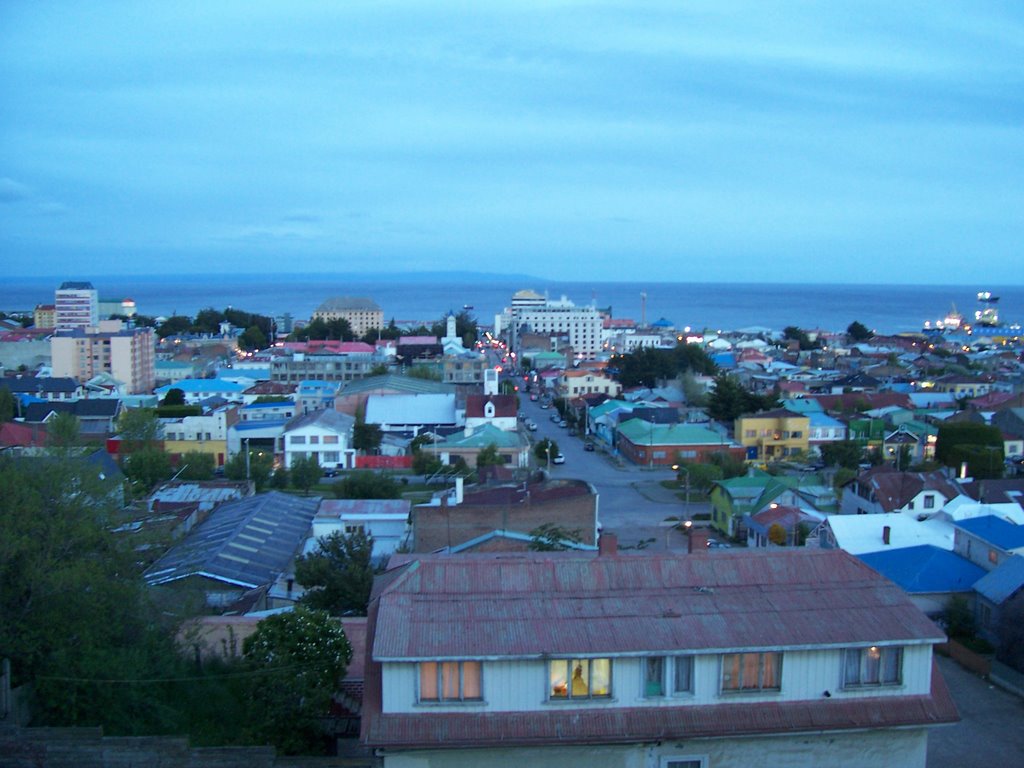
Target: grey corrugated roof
column 393, row 383
column 529, row 606
column 248, row 542
column 1000, row 584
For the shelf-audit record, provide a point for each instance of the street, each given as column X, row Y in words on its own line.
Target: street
column 632, row 503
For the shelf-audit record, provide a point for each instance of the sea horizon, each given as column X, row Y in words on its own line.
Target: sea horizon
column 427, row 296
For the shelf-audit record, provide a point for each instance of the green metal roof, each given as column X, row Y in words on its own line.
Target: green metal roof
column 640, row 432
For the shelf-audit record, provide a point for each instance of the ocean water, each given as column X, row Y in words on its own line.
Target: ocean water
column 409, row 299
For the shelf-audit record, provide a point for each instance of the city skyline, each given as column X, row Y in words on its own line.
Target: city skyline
column 715, row 142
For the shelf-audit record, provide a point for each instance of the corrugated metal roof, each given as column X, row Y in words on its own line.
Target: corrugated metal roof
column 925, row 569
column 248, row 542
column 999, row 585
column 995, row 530
column 523, row 606
column 332, row 509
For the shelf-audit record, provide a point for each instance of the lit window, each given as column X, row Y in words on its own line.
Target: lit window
column 450, row 681
column 580, row 678
column 751, row 672
column 872, row 666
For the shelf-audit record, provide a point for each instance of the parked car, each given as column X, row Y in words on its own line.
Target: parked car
column 563, row 423
column 532, row 426
column 545, row 406
column 588, row 446
column 559, row 459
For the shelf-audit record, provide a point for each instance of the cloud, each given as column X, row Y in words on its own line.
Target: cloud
column 12, row 191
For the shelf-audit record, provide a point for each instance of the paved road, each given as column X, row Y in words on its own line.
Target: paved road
column 632, row 502
column 991, row 730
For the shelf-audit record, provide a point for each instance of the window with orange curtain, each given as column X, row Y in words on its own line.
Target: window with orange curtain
column 751, row 672
column 451, row 681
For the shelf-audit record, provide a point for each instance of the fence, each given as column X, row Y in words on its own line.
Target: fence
column 383, row 462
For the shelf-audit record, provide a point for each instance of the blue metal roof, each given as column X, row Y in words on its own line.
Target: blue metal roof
column 994, row 530
column 1001, row 584
column 925, row 569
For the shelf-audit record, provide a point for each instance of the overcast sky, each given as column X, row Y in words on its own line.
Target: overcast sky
column 794, row 142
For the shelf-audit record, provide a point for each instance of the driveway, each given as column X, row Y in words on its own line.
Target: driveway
column 991, row 731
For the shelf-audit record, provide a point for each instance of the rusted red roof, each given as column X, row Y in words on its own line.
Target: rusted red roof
column 504, row 405
column 633, row 724
column 477, row 606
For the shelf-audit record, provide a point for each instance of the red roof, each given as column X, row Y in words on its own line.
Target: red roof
column 23, row 435
column 479, row 606
column 504, row 405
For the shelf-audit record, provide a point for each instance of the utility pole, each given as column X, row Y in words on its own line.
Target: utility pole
column 246, row 458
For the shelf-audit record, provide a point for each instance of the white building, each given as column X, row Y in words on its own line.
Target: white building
column 386, row 520
column 323, row 435
column 582, row 326
column 76, row 305
column 709, row 659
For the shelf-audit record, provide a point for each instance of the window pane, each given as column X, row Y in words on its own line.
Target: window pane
column 428, row 681
column 558, row 674
column 772, row 670
column 654, row 673
column 730, row 671
column 683, row 673
column 601, row 677
column 450, row 680
column 872, row 664
column 471, row 688
column 580, row 678
column 851, row 667
column 749, row 669
column 891, row 665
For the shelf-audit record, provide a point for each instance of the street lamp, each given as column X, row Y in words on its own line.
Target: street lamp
column 685, row 470
column 547, row 450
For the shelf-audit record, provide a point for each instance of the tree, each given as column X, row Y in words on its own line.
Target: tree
column 702, row 477
column 63, row 431
column 777, row 535
column 72, row 608
column 8, row 405
column 252, row 338
column 146, row 467
column 305, row 473
column 338, row 574
column 731, row 466
column 489, row 457
column 300, row 657
column 800, row 336
column 728, row 399
column 138, row 428
column 980, row 445
column 280, row 479
column 857, row 332
column 174, row 396
column 174, row 326
column 545, row 448
column 367, row 484
column 842, row 453
column 260, row 465
column 366, row 437
column 196, row 465
column 553, row 538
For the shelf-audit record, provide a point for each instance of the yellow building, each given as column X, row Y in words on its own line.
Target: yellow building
column 574, row 383
column 127, row 354
column 773, row 435
column 361, row 314
column 201, row 434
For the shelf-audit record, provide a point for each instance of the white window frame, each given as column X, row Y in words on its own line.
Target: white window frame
column 863, row 654
column 441, row 698
column 669, row 669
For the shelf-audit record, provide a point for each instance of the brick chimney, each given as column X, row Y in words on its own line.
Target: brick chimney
column 699, row 540
column 608, row 545
column 886, row 530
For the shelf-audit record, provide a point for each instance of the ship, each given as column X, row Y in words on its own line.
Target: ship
column 988, row 313
column 951, row 322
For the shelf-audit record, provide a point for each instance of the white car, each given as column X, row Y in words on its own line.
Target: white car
column 558, row 459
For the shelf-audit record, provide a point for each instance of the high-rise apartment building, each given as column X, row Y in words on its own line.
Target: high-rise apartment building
column 361, row 314
column 76, row 305
column 109, row 347
column 531, row 312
